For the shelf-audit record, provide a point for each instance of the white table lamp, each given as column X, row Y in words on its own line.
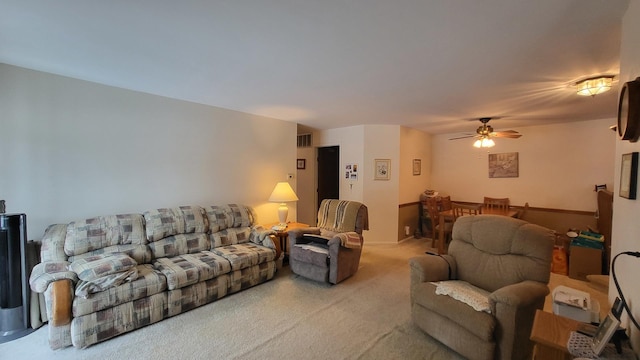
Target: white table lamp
column 282, row 194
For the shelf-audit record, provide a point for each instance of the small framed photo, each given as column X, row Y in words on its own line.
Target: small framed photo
column 417, row 166
column 603, row 334
column 629, row 175
column 382, row 167
column 301, row 164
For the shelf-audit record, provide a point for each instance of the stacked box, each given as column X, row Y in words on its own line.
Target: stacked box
column 585, row 256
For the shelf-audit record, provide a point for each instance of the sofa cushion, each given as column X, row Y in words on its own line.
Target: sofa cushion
column 245, row 255
column 189, row 269
column 219, row 218
column 179, row 245
column 53, row 243
column 162, row 223
column 149, row 282
column 231, row 236
column 96, row 233
column 94, row 267
column 140, row 253
column 242, row 215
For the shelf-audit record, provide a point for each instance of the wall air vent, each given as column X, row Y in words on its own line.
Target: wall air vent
column 304, row 140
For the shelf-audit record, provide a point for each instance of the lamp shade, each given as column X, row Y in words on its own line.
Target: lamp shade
column 283, row 193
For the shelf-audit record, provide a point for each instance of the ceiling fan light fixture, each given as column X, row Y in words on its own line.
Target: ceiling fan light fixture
column 594, row 85
column 485, row 142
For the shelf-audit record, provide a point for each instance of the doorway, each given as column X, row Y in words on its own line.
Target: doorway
column 328, row 173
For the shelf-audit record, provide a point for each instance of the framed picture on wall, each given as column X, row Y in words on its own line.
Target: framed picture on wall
column 301, row 164
column 417, row 166
column 629, row 175
column 504, row 165
column 381, row 168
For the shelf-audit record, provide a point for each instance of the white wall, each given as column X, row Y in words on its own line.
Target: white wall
column 626, row 228
column 559, row 165
column 414, row 144
column 361, row 145
column 73, row 149
column 382, row 196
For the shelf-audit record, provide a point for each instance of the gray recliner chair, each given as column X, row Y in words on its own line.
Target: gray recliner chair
column 330, row 252
column 507, row 264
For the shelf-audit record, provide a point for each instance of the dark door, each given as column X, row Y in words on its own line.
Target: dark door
column 328, row 173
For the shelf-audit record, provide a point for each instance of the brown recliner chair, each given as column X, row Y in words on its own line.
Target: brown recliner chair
column 509, row 261
column 330, row 252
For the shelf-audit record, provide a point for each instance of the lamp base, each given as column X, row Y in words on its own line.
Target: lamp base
column 283, row 212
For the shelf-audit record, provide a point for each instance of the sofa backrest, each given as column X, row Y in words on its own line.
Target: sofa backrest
column 230, row 224
column 104, row 234
column 155, row 233
column 493, row 251
column 176, row 231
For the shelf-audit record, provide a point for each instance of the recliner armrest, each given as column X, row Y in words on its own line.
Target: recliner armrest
column 427, row 268
column 521, row 294
column 295, row 235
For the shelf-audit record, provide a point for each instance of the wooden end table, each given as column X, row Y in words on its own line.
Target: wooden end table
column 282, row 235
column 551, row 333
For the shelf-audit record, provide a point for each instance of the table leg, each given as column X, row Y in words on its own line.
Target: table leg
column 441, row 236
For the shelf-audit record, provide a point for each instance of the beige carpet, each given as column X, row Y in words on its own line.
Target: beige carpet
column 365, row 317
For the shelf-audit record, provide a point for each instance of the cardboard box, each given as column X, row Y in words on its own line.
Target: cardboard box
column 584, row 261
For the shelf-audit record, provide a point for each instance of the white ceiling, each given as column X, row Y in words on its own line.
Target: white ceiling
column 426, row 64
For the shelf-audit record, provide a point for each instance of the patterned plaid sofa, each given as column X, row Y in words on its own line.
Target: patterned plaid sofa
column 108, row 275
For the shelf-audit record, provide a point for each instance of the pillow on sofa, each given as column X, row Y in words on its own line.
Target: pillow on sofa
column 97, row 266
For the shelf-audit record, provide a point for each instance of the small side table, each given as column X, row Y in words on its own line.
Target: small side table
column 282, row 235
column 551, row 333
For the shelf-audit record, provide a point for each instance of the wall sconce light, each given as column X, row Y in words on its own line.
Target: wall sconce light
column 282, row 194
column 594, row 85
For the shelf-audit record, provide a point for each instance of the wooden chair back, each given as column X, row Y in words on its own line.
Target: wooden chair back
column 496, row 203
column 466, row 209
column 446, row 203
column 431, row 207
column 523, row 212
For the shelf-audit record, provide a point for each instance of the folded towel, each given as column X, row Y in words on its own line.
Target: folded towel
column 350, row 240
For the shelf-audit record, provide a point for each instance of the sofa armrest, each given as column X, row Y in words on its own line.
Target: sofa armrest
column 427, row 268
column 61, row 300
column 47, row 272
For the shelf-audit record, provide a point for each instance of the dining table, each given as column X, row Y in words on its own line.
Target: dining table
column 448, row 214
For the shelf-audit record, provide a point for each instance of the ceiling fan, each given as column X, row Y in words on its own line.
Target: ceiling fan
column 485, row 133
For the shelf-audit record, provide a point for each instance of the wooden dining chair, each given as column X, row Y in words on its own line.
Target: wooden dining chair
column 466, row 209
column 445, row 202
column 523, row 212
column 431, row 206
column 501, row 203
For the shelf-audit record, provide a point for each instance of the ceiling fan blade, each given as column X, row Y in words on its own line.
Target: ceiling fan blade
column 463, row 137
column 508, row 136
